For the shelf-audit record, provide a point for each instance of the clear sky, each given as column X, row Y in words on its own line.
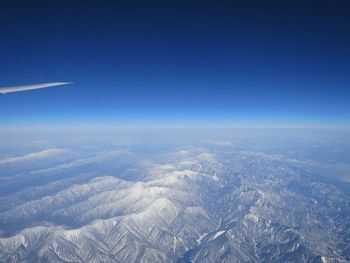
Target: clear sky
column 176, row 61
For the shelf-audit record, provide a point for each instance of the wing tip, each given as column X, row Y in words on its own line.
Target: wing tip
column 63, row 82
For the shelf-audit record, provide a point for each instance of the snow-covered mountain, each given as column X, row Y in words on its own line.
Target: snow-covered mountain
column 215, row 202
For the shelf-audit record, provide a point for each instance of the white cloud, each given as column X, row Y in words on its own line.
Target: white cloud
column 83, row 161
column 34, row 156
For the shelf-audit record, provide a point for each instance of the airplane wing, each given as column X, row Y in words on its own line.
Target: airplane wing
column 5, row 90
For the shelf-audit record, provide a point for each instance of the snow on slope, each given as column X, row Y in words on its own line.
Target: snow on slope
column 190, row 204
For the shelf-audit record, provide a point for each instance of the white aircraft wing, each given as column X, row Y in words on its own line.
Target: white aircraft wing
column 5, row 90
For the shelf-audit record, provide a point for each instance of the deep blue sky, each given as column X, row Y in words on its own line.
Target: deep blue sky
column 176, row 62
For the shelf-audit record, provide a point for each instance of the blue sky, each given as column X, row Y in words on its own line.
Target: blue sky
column 182, row 62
